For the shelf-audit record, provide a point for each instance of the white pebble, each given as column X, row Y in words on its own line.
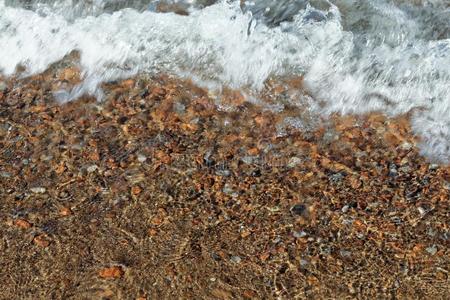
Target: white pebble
column 38, row 190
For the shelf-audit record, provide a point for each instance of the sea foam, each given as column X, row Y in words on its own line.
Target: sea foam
column 355, row 56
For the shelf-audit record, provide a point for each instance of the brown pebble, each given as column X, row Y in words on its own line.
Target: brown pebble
column 162, row 156
column 41, row 241
column 355, row 183
column 221, row 294
column 94, row 156
column 65, row 211
column 22, row 224
column 157, row 221
column 111, row 272
column 152, row 232
column 60, row 168
column 253, row 151
column 249, row 294
column 136, row 190
column 264, row 256
column 245, row 233
column 128, row 83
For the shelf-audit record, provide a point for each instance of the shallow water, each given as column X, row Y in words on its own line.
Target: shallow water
column 355, row 56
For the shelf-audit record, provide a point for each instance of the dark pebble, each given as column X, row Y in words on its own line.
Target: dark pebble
column 122, row 120
column 298, row 209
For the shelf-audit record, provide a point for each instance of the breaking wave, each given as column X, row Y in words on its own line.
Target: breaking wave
column 355, row 56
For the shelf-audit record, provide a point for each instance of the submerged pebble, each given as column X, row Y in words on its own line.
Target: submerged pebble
column 38, row 190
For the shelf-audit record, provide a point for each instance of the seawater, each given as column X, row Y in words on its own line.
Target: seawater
column 355, row 56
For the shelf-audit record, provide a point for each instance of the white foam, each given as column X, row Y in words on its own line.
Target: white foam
column 365, row 55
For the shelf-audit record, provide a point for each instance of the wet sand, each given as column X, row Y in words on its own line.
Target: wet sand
column 159, row 192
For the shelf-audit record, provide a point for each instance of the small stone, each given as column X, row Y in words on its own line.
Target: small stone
column 41, row 241
column 431, row 232
column 22, row 224
column 65, row 211
column 157, row 221
column 44, row 157
column 345, row 208
column 179, row 108
column 298, row 209
column 406, row 146
column 92, row 169
column 300, row 234
column 249, row 294
column 5, row 174
column 163, row 157
column 3, row 86
column 433, row 167
column 304, row 263
column 256, row 173
column 141, row 158
column 94, row 156
column 136, row 190
column 227, row 189
column 421, row 210
column 447, row 185
column 247, row 160
column 432, row 250
column 355, row 183
column 221, row 294
column 253, row 151
column 405, row 169
column 111, row 272
column 245, row 233
column 294, row 161
column 152, row 232
column 38, row 190
column 236, row 259
column 337, row 177
column 393, row 170
column 345, row 253
column 223, row 172
column 404, row 161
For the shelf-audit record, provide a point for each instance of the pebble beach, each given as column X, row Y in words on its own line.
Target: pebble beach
column 162, row 192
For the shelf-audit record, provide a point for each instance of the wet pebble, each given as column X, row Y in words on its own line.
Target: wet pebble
column 345, row 253
column 345, row 208
column 294, row 161
column 223, row 172
column 393, row 171
column 335, row 178
column 236, row 259
column 179, row 108
column 406, row 146
column 300, row 234
column 298, row 209
column 92, row 168
column 422, row 211
column 304, row 263
column 38, row 190
column 432, row 250
column 247, row 160
column 5, row 174
column 3, row 86
column 141, row 158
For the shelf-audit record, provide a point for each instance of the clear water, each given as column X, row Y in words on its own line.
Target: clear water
column 355, row 56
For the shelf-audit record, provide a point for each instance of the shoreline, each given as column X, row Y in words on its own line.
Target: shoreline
column 158, row 193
